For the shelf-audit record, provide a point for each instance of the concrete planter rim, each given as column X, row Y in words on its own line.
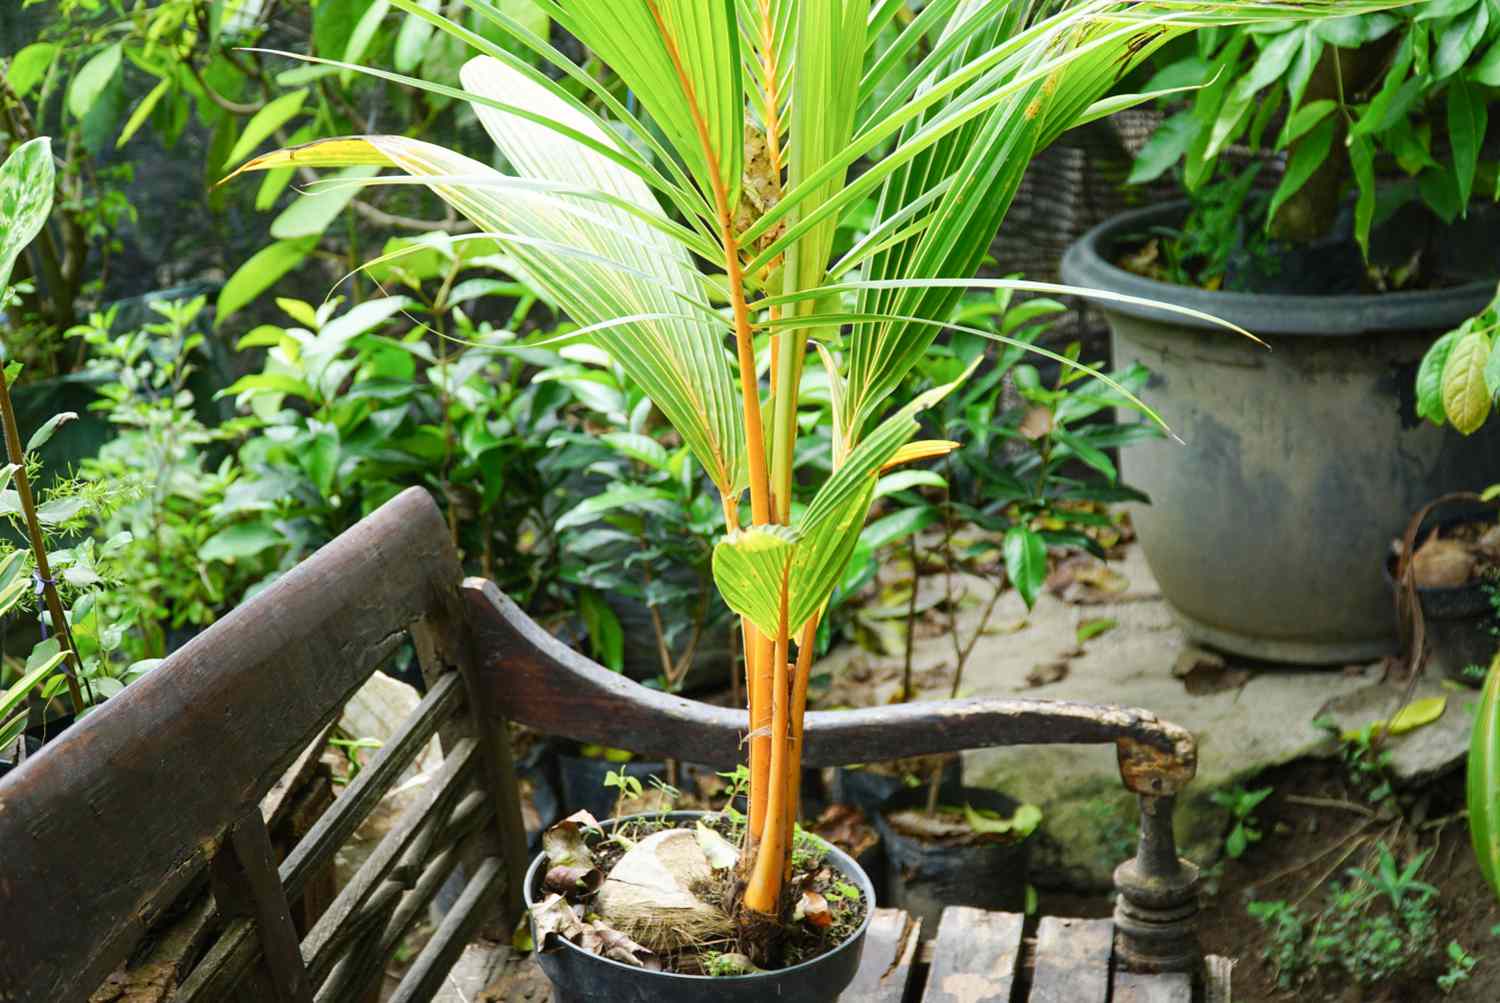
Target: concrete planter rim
column 1087, row 263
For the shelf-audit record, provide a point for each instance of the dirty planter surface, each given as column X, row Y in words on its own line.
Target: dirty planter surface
column 578, row 976
column 1300, row 462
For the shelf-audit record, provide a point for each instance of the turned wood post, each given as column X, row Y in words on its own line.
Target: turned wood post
column 1156, row 912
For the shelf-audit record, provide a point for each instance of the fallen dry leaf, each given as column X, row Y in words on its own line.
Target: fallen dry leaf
column 1037, row 423
column 846, row 827
column 1442, row 564
column 1047, row 673
column 813, row 909
column 572, row 878
column 1192, row 659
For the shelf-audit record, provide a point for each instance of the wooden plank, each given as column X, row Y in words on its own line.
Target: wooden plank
column 426, row 973
column 365, row 791
column 885, row 966
column 246, row 886
column 209, row 731
column 975, row 957
column 1072, row 960
column 277, row 802
column 1169, row 987
column 527, row 676
column 1218, row 975
column 442, row 792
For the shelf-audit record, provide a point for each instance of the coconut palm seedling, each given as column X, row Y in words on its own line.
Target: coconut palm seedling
column 689, row 232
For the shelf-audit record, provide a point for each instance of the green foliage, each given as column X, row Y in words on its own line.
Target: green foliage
column 1241, row 805
column 1373, row 88
column 182, row 556
column 1459, row 377
column 1375, row 926
column 1365, row 758
column 1460, row 966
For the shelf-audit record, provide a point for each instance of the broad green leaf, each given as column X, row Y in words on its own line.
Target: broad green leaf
column 1482, row 789
column 1306, row 159
column 1352, row 32
column 362, row 35
column 1466, row 399
column 92, row 78
column 270, row 382
column 260, row 273
column 899, row 525
column 411, row 41
column 1468, row 119
column 1025, row 562
column 1430, row 378
column 44, row 659
column 617, row 496
column 240, row 541
column 1305, row 118
column 57, row 511
column 29, row 67
column 43, row 435
column 1458, row 40
column 1020, row 825
column 1487, row 70
column 1362, row 160
column 142, row 112
column 1491, row 371
column 312, row 213
column 1165, row 147
column 638, row 447
column 606, row 635
column 27, row 181
column 905, row 480
column 265, row 123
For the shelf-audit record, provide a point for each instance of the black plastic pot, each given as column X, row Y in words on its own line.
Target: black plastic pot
column 581, row 977
column 1459, row 621
column 923, row 877
column 1300, row 462
column 581, row 781
column 868, row 789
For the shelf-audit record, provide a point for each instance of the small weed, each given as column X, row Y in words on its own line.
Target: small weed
column 1373, row 927
column 629, row 787
column 1368, row 764
column 1460, row 964
column 1241, row 805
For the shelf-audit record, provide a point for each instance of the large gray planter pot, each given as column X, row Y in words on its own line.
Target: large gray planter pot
column 1265, row 530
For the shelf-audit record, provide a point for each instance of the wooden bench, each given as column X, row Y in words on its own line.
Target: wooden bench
column 163, row 792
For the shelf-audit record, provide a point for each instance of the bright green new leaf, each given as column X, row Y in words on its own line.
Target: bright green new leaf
column 29, row 67
column 27, row 181
column 142, row 112
column 265, row 123
column 1466, row 399
column 1306, row 159
column 312, row 213
column 260, row 273
column 1025, row 562
column 91, row 80
column 44, row 434
column 751, row 567
column 1468, row 118
column 1020, row 825
column 240, row 541
column 1430, row 378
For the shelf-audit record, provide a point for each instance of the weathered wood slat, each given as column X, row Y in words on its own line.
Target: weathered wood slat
column 208, row 732
column 886, row 965
column 1168, row 987
column 246, row 886
column 447, row 943
column 530, row 677
column 1072, row 960
column 365, row 791
column 442, row 790
column 1218, row 974
column 363, row 965
column 975, row 957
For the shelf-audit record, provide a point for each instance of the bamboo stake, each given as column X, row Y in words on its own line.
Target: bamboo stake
column 17, row 457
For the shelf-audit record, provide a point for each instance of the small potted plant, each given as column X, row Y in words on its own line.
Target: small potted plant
column 1328, row 167
column 757, row 119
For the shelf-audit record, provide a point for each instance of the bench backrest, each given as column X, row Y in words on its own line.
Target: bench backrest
column 106, row 829
column 164, row 784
